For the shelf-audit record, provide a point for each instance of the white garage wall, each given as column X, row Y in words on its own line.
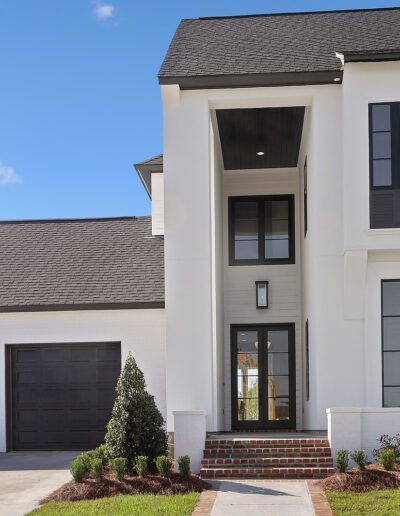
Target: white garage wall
column 140, row 331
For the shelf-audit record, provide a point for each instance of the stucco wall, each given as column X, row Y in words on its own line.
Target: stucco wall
column 157, row 203
column 336, row 299
column 140, row 331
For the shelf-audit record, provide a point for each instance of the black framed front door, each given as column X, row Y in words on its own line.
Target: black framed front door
column 263, row 377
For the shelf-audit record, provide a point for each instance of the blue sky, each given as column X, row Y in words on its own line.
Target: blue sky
column 80, row 102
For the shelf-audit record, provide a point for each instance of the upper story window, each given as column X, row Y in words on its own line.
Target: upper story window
column 261, row 230
column 384, row 154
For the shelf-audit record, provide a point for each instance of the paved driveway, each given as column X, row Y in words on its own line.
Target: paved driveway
column 27, row 477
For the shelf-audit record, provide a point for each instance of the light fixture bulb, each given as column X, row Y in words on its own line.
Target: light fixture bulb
column 260, row 153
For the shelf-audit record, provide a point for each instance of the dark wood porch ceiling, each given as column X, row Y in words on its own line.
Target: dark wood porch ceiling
column 275, row 132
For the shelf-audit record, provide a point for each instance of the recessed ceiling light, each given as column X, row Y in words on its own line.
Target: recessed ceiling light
column 260, row 153
column 337, row 79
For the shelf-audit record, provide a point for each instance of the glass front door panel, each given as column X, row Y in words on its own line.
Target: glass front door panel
column 278, row 374
column 264, row 377
column 247, row 375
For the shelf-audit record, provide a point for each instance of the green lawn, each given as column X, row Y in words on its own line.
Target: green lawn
column 139, row 505
column 373, row 503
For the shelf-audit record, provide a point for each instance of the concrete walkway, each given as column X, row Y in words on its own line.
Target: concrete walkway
column 27, row 477
column 262, row 497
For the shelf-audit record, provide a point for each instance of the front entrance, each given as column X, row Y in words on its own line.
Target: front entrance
column 263, row 377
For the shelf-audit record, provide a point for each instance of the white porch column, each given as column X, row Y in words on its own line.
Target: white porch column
column 344, row 429
column 190, row 436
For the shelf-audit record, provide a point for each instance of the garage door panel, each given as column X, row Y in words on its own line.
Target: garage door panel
column 62, row 400
column 82, row 355
column 105, row 354
column 105, row 374
column 24, row 356
column 85, row 374
column 50, row 355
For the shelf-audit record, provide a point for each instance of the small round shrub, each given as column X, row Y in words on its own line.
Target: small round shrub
column 164, row 465
column 79, row 468
column 342, row 460
column 359, row 458
column 119, row 467
column 387, row 457
column 96, row 468
column 184, row 465
column 101, row 452
column 141, row 465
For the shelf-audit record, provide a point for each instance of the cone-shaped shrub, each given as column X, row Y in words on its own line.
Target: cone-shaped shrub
column 136, row 426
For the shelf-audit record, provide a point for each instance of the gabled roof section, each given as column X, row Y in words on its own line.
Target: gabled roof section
column 278, row 49
column 78, row 264
column 148, row 167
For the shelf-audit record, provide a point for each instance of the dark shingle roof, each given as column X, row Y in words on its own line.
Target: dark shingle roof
column 278, row 43
column 80, row 263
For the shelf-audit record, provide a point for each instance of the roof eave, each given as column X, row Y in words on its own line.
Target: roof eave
column 78, row 307
column 144, row 172
column 368, row 56
column 254, row 80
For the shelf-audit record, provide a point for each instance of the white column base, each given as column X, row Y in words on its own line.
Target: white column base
column 190, row 436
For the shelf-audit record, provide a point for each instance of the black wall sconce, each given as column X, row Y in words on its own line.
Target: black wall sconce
column 262, row 294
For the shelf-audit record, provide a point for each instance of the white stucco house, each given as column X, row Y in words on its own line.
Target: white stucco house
column 276, row 214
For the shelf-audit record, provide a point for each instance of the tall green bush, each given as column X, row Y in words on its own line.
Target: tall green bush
column 136, row 426
column 387, row 458
column 342, row 460
column 360, row 458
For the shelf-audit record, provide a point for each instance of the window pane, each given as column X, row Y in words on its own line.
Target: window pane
column 279, row 229
column 391, row 298
column 382, row 172
column 381, row 117
column 278, row 386
column 246, row 230
column 276, row 229
column 247, row 386
column 391, row 333
column 381, row 145
column 391, row 362
column 391, row 397
column 247, row 341
column 279, row 209
column 247, row 409
column 278, row 363
column 278, row 409
column 276, row 249
column 278, row 340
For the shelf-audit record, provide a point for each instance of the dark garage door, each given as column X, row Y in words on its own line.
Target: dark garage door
column 60, row 395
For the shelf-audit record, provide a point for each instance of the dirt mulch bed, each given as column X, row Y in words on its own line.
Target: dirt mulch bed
column 111, row 486
column 372, row 479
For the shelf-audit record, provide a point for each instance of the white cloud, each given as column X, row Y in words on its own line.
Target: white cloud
column 103, row 11
column 8, row 175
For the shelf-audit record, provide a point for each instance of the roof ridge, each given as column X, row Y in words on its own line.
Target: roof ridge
column 293, row 13
column 83, row 219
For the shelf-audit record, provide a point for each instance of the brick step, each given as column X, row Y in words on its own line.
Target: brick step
column 267, row 443
column 295, row 473
column 271, row 452
column 269, row 462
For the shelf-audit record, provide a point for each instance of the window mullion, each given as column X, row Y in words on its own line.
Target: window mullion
column 261, row 231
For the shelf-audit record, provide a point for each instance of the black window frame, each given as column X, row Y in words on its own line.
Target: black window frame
column 261, row 260
column 307, row 337
column 384, row 200
column 397, row 280
column 305, row 195
column 395, row 145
